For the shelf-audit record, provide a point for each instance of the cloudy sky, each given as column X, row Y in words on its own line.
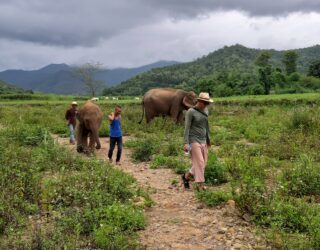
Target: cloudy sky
column 129, row 33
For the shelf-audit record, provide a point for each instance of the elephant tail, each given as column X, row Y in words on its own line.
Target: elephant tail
column 142, row 112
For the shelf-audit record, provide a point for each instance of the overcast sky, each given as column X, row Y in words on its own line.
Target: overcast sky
column 129, row 33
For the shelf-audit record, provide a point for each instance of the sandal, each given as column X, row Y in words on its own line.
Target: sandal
column 185, row 181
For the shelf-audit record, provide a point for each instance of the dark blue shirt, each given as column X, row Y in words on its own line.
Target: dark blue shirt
column 115, row 128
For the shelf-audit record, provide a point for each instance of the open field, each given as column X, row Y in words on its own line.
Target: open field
column 265, row 157
column 283, row 99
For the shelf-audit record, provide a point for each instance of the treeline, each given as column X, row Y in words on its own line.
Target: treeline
column 267, row 79
column 234, row 70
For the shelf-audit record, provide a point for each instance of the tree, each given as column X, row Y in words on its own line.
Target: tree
column 86, row 73
column 314, row 69
column 290, row 61
column 262, row 59
column 265, row 71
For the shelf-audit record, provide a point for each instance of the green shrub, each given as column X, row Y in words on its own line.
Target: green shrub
column 116, row 224
column 248, row 183
column 300, row 120
column 144, row 150
column 213, row 199
column 173, row 149
column 178, row 164
column 215, row 171
column 28, row 136
column 302, row 178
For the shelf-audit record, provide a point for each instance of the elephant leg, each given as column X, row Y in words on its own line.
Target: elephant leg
column 98, row 144
column 85, row 140
column 94, row 141
column 180, row 118
column 80, row 131
column 174, row 112
column 148, row 118
column 91, row 143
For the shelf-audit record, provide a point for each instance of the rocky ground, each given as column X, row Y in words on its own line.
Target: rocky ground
column 178, row 220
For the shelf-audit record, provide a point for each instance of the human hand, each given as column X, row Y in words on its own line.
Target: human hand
column 111, row 116
column 186, row 147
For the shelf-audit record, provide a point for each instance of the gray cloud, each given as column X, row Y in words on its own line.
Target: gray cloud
column 34, row 33
column 69, row 23
column 252, row 7
column 86, row 23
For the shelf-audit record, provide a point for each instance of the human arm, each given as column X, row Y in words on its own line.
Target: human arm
column 208, row 135
column 67, row 116
column 111, row 117
column 188, row 120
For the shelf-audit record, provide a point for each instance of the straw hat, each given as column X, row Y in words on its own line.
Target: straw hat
column 74, row 103
column 203, row 96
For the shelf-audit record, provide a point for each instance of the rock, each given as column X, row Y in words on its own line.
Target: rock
column 231, row 203
column 231, row 230
column 218, row 237
column 240, row 237
column 220, row 248
column 223, row 230
column 201, row 206
column 247, row 217
column 238, row 246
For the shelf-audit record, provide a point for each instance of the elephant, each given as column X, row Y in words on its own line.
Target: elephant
column 90, row 119
column 167, row 102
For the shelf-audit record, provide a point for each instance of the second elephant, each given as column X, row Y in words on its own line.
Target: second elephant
column 167, row 102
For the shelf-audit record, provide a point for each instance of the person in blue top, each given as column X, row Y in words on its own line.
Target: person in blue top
column 115, row 134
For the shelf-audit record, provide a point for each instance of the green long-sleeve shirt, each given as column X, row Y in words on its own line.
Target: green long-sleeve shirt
column 196, row 127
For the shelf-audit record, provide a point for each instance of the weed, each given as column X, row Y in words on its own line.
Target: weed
column 303, row 178
column 213, row 199
column 215, row 171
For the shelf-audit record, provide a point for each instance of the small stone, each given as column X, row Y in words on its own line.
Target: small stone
column 222, row 230
column 201, row 206
column 231, row 203
column 220, row 248
column 218, row 237
column 247, row 217
column 238, row 246
column 231, row 230
column 240, row 237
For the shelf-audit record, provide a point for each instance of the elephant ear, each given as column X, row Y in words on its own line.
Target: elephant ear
column 190, row 100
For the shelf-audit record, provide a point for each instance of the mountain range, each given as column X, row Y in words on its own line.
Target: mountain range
column 236, row 60
column 60, row 79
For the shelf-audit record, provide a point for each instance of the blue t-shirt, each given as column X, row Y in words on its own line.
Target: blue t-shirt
column 115, row 128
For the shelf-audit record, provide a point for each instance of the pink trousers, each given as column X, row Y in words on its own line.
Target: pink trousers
column 199, row 157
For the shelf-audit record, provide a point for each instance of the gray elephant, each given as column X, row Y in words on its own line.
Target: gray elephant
column 90, row 119
column 167, row 102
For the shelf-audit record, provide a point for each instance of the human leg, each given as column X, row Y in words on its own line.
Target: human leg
column 199, row 159
column 119, row 146
column 71, row 130
column 111, row 148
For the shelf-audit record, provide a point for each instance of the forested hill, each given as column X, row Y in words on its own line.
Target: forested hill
column 6, row 88
column 237, row 61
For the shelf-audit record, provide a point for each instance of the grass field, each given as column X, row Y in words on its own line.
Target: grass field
column 265, row 157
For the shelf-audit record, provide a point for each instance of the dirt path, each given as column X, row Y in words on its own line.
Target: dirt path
column 177, row 220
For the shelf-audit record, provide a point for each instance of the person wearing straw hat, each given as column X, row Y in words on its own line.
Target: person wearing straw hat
column 71, row 120
column 197, row 140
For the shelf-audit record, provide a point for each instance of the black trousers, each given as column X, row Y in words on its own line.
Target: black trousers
column 113, row 142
